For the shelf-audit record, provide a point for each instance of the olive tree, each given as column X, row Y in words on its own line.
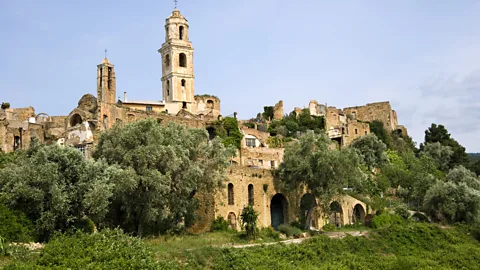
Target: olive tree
column 167, row 166
column 323, row 171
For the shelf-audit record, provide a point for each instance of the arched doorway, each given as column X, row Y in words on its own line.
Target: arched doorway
column 336, row 214
column 278, row 210
column 308, row 201
column 232, row 220
column 358, row 213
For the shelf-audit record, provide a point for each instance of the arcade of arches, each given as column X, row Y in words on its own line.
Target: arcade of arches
column 252, row 186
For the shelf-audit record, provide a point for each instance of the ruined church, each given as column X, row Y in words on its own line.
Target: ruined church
column 249, row 182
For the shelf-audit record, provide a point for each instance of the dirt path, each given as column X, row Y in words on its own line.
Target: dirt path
column 300, row 240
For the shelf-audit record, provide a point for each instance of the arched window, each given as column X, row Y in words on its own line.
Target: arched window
column 183, row 60
column 210, row 104
column 168, row 88
column 180, row 31
column 184, row 83
column 167, row 60
column 251, row 200
column 230, row 194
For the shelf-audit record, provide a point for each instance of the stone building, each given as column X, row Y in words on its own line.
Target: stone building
column 250, row 178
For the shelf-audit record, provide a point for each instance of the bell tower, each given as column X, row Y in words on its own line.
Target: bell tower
column 106, row 82
column 177, row 63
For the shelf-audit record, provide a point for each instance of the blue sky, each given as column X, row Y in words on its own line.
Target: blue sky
column 422, row 56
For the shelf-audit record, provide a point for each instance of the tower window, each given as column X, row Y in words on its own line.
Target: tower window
column 184, row 83
column 183, row 60
column 180, row 30
column 356, row 131
column 167, row 60
column 168, row 88
column 184, row 105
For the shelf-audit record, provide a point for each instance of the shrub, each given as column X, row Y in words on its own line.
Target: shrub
column 249, row 220
column 15, row 226
column 385, row 220
column 109, row 249
column 402, row 211
column 269, row 232
column 289, row 230
column 419, row 217
column 220, row 224
column 5, row 105
column 329, row 227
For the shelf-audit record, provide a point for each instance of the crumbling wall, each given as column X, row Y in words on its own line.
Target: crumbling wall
column 20, row 114
column 381, row 111
column 207, row 105
column 278, row 110
column 317, row 109
column 355, row 129
column 260, row 157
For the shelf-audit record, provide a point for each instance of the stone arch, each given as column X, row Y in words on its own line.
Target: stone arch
column 305, row 203
column 278, row 210
column 358, row 213
column 231, row 194
column 75, row 119
column 43, row 117
column 131, row 117
column 336, row 214
column 251, row 195
column 232, row 220
column 182, row 60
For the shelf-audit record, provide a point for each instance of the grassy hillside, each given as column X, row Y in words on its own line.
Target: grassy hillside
column 406, row 246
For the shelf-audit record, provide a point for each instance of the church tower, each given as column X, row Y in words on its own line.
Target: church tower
column 177, row 63
column 106, row 82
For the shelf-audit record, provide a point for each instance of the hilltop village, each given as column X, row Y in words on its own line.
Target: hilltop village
column 249, row 177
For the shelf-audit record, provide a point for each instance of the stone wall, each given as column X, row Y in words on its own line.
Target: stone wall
column 261, row 157
column 381, row 111
column 278, row 111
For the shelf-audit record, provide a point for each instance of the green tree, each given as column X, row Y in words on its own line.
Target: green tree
column 228, row 130
column 440, row 153
column 168, row 166
column 457, row 199
column 438, row 133
column 249, row 220
column 325, row 173
column 51, row 185
column 372, row 150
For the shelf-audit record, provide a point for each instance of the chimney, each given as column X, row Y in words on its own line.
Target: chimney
column 124, row 96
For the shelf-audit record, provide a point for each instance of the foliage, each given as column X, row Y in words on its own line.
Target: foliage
column 438, row 133
column 55, row 187
column 220, row 224
column 109, row 249
column 269, row 233
column 166, row 167
column 402, row 211
column 267, row 112
column 457, row 199
column 275, row 142
column 372, row 150
column 293, row 123
column 15, row 226
column 393, row 140
column 249, row 220
column 249, row 124
column 5, row 105
column 329, row 227
column 438, row 152
column 385, row 220
column 227, row 129
column 309, row 162
column 289, row 230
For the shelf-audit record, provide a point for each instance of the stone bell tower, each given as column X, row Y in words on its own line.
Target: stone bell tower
column 106, row 83
column 177, row 63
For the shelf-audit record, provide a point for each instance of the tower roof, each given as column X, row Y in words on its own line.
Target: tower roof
column 176, row 15
column 105, row 61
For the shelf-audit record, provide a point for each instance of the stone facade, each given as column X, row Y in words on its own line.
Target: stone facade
column 381, row 111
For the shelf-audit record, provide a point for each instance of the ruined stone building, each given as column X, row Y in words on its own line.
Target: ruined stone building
column 249, row 177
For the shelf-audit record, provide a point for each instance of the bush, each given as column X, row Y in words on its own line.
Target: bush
column 15, row 226
column 402, row 211
column 289, row 230
column 220, row 224
column 269, row 232
column 329, row 227
column 109, row 249
column 249, row 220
column 385, row 220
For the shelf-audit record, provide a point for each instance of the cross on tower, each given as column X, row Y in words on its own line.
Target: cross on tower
column 176, row 1
column 105, row 53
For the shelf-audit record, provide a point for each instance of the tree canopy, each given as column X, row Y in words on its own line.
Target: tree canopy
column 168, row 166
